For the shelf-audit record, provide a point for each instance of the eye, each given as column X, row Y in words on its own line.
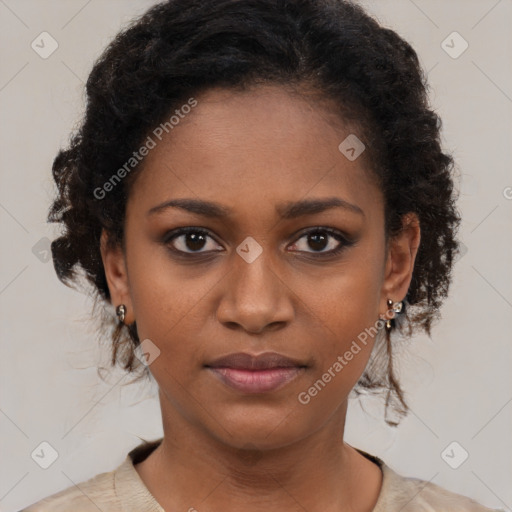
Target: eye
column 319, row 239
column 190, row 240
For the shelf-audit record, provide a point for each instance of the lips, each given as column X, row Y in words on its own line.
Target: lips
column 256, row 373
column 265, row 361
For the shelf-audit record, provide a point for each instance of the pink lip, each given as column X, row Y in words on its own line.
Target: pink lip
column 246, row 361
column 256, row 381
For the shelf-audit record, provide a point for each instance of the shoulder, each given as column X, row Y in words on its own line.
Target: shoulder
column 414, row 495
column 119, row 489
column 406, row 494
column 97, row 493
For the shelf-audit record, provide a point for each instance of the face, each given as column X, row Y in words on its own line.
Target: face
column 285, row 252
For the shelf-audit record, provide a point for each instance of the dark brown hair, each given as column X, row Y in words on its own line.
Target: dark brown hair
column 180, row 48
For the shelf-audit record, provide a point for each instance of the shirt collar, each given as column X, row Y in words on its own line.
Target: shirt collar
column 135, row 496
column 129, row 487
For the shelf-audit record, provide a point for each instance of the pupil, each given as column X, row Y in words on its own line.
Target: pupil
column 316, row 238
column 195, row 241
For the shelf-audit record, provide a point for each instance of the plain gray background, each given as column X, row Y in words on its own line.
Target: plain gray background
column 458, row 382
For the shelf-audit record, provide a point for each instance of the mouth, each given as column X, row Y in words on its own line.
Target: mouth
column 263, row 373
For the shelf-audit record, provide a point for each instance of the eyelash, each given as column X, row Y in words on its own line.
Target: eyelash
column 344, row 242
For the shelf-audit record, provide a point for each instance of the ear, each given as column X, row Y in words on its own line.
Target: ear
column 401, row 255
column 117, row 277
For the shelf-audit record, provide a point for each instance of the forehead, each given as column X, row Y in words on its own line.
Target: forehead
column 253, row 149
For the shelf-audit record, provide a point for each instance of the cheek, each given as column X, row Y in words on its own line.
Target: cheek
column 346, row 301
column 169, row 302
column 156, row 286
column 345, row 315
column 357, row 305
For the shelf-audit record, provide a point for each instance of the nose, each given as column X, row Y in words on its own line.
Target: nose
column 255, row 298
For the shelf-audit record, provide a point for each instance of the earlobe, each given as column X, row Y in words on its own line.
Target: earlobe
column 402, row 251
column 114, row 265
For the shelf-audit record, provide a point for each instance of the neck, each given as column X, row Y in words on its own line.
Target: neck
column 191, row 469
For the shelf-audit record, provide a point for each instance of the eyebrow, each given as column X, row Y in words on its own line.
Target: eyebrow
column 288, row 210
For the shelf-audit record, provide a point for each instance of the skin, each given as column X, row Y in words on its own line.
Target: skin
column 250, row 151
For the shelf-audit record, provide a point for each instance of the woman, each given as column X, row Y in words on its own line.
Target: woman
column 258, row 189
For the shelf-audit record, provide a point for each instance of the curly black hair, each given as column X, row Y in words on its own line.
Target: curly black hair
column 180, row 48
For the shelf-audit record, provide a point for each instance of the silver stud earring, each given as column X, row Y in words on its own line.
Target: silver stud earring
column 121, row 312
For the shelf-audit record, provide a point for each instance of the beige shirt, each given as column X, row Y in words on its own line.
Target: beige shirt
column 122, row 490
